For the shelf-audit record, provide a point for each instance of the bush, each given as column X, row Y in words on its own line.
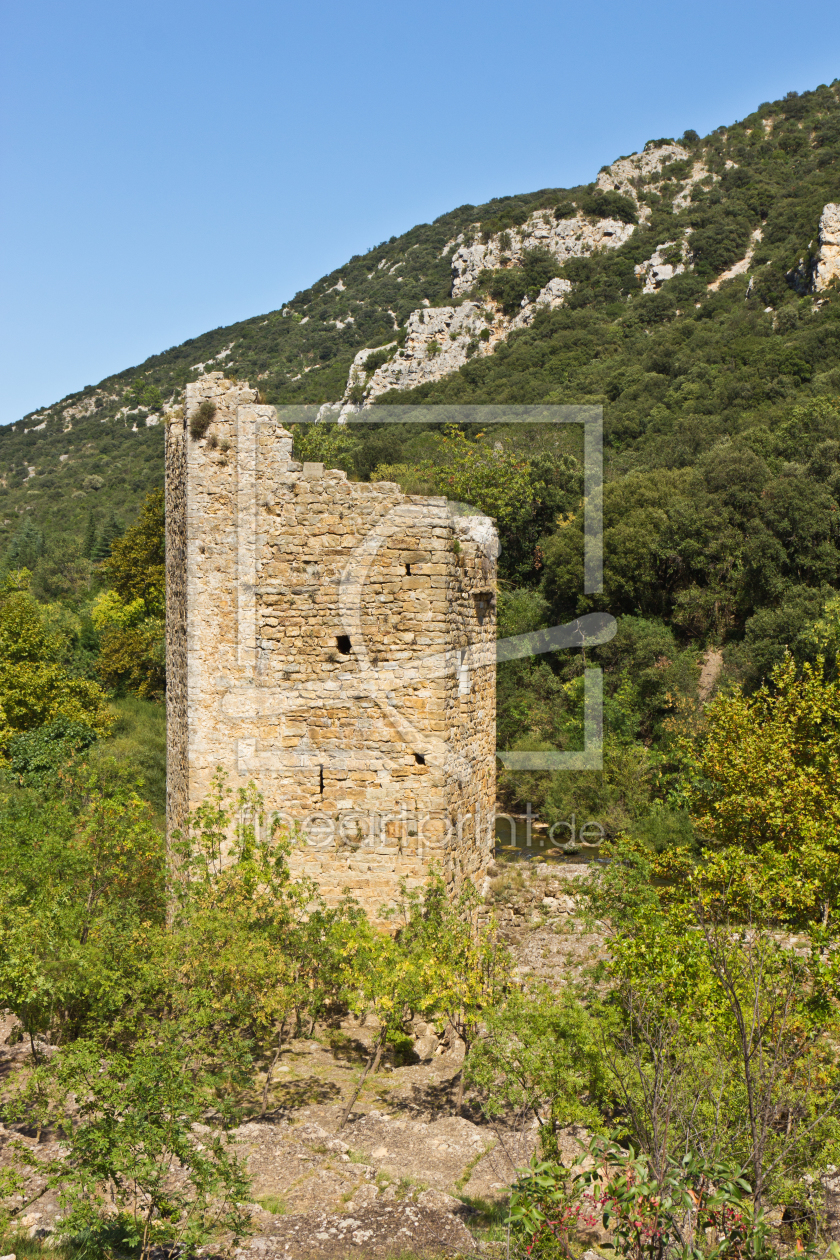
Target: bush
column 202, row 418
column 565, row 210
column 377, row 358
column 610, row 205
column 36, row 756
column 509, row 286
column 718, row 246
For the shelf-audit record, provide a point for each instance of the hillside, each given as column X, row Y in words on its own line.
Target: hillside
column 649, row 324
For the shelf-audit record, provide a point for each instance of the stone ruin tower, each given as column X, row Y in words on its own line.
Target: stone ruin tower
column 334, row 642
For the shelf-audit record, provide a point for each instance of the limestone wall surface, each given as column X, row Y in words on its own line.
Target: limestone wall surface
column 828, row 262
column 337, row 647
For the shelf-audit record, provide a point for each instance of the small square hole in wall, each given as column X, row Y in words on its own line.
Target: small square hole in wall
column 420, row 759
column 343, row 644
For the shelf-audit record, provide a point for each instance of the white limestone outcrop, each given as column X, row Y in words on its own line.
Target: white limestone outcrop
column 553, row 295
column 439, row 340
column 622, row 175
column 654, row 271
column 828, row 263
column 699, row 172
column 564, row 238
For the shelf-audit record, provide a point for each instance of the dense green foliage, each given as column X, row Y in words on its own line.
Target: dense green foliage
column 160, row 1023
column 702, row 1042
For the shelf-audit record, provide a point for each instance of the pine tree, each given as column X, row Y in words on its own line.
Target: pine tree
column 89, row 545
column 111, row 531
column 26, row 547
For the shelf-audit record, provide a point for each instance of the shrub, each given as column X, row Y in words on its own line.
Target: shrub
column 508, row 287
column 565, row 210
column 610, row 205
column 39, row 754
column 377, row 358
column 718, row 246
column 202, row 418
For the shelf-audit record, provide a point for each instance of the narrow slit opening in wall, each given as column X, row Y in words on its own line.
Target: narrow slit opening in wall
column 408, row 570
column 343, row 644
column 420, row 759
column 321, row 780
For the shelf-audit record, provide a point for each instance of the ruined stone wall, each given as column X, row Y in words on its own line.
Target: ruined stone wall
column 339, row 651
column 176, row 627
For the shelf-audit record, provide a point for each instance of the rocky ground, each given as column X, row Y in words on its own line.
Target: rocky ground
column 405, row 1174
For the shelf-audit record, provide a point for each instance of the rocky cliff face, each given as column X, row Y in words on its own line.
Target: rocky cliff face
column 828, row 265
column 661, row 266
column 565, row 239
column 625, row 175
column 440, row 339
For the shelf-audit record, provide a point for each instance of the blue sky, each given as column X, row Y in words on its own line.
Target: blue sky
column 170, row 166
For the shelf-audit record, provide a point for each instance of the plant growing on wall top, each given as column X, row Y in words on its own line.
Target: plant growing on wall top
column 202, row 418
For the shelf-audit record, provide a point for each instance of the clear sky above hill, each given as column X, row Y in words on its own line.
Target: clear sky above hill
column 169, row 166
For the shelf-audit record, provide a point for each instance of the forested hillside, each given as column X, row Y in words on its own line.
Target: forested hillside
column 685, row 377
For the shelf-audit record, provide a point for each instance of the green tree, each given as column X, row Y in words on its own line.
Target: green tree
column 760, row 781
column 509, row 286
column 111, row 531
column 136, row 566
column 35, row 686
column 81, row 872
column 130, row 616
column 250, row 945
column 26, row 546
column 89, row 542
column 539, row 1058
column 139, row 1144
column 713, row 1029
column 442, row 929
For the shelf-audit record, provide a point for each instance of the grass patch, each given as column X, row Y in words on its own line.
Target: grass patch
column 274, row 1204
column 105, row 1241
column 26, row 1248
column 406, row 1187
column 489, row 1217
column 468, row 1171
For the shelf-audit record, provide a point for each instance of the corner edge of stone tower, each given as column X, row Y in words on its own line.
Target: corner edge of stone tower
column 176, row 622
